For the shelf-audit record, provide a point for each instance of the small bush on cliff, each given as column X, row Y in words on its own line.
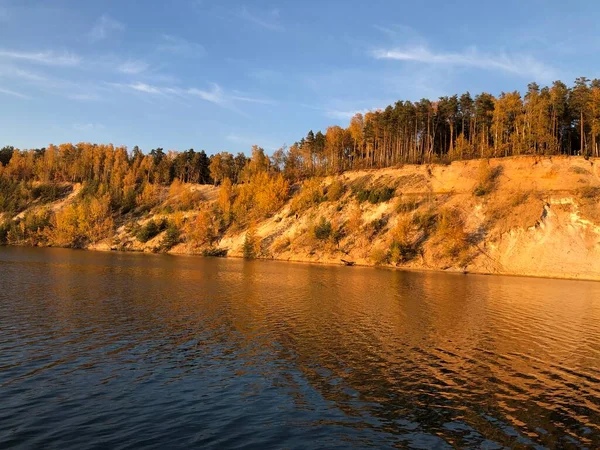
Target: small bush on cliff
column 251, row 247
column 150, row 230
column 214, row 252
column 171, row 238
column 407, row 204
column 310, row 194
column 50, row 192
column 379, row 256
column 374, row 196
column 335, row 191
column 323, row 229
column 451, row 233
column 282, row 244
column 589, row 192
column 487, row 178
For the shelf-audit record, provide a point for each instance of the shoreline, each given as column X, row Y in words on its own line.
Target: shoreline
column 327, row 263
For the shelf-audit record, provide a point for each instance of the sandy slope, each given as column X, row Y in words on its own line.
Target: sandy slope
column 553, row 233
column 542, row 218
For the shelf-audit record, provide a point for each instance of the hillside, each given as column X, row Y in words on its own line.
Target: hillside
column 535, row 216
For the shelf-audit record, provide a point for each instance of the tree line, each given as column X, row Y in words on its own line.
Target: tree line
column 544, row 121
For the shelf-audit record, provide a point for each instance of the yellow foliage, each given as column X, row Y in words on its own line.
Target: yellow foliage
column 260, row 197
column 181, row 196
column 310, row 194
column 77, row 224
column 355, row 219
column 225, row 199
column 149, row 196
column 205, row 229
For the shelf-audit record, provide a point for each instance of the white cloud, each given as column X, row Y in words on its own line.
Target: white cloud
column 12, row 93
column 180, row 47
column 133, row 67
column 143, row 87
column 522, row 65
column 104, row 27
column 49, row 58
column 215, row 95
column 264, row 19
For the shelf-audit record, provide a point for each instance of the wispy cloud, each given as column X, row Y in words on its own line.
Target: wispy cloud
column 104, row 27
column 9, row 71
column 85, row 96
column 12, row 93
column 522, row 65
column 133, row 67
column 148, row 89
column 213, row 94
column 49, row 58
column 265, row 19
column 180, row 47
column 243, row 97
column 88, row 127
column 346, row 115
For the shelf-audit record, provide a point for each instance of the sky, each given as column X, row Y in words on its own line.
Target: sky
column 225, row 75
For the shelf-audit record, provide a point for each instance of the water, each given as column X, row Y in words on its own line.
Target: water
column 152, row 351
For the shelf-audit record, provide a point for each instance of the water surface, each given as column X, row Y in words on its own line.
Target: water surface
column 113, row 350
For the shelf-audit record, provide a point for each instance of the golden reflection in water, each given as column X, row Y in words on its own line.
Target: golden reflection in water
column 400, row 350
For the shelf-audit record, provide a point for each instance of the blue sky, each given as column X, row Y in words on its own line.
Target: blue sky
column 223, row 75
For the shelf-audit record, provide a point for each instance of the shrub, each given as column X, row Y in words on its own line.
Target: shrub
column 579, row 170
column 451, row 232
column 251, row 245
column 486, row 181
column 148, row 197
column 354, row 220
column 310, row 194
column 589, row 192
column 407, row 204
column 379, row 256
column 182, row 197
column 375, row 226
column 47, row 193
column 282, row 244
column 519, row 198
column 374, row 196
column 214, row 252
column 323, row 229
column 425, row 220
column 150, row 230
column 171, row 238
column 335, row 191
column 205, row 228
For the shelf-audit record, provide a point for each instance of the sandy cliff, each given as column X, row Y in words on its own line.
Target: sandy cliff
column 521, row 215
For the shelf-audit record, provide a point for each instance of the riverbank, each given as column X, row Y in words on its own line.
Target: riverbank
column 538, row 217
column 527, row 216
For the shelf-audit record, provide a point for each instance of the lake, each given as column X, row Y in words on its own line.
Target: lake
column 120, row 350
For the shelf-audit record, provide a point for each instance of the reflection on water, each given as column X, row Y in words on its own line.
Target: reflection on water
column 124, row 350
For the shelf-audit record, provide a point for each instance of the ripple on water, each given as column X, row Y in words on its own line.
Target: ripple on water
column 129, row 351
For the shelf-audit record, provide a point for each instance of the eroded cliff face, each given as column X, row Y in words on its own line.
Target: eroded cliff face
column 538, row 217
column 522, row 216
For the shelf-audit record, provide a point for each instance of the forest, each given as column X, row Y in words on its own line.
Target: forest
column 544, row 121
